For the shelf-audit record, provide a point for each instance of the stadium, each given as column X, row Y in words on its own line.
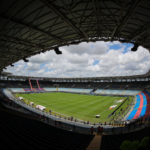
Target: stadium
column 72, row 112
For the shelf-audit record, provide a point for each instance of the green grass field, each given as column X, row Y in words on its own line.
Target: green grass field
column 83, row 107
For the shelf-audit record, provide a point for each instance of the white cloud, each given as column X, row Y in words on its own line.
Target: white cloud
column 33, row 66
column 79, row 59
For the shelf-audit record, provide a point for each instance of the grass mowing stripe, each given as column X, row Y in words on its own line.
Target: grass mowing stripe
column 76, row 105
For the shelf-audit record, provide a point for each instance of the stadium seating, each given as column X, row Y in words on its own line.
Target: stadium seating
column 63, row 89
column 116, row 92
column 76, row 90
column 38, row 90
column 134, row 85
column 5, row 83
column 84, row 85
column 131, row 92
column 13, row 84
column 103, row 85
column 116, row 85
column 50, row 89
column 140, row 107
column 87, row 90
column 96, row 85
column 113, row 92
column 99, row 91
column 17, row 90
column 24, row 84
column 113, row 142
column 27, row 89
column 79, row 90
column 28, row 134
column 147, row 94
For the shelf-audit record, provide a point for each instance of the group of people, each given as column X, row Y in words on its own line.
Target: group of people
column 42, row 117
column 135, row 145
column 99, row 130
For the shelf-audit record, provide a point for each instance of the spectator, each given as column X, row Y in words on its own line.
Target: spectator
column 98, row 130
column 92, row 130
column 40, row 116
column 59, row 123
column 101, row 130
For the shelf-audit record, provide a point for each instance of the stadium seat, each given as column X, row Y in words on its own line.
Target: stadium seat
column 24, row 133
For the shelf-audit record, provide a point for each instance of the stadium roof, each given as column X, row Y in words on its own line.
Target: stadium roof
column 29, row 27
column 147, row 75
column 5, row 73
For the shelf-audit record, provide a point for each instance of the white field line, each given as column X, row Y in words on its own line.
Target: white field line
column 94, row 102
column 103, row 112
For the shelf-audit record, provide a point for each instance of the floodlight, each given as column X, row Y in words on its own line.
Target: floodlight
column 134, row 49
column 57, row 51
column 25, row 60
column 12, row 65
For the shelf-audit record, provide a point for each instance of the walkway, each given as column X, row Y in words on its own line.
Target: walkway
column 95, row 143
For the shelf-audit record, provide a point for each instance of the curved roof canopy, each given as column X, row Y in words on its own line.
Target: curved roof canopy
column 29, row 27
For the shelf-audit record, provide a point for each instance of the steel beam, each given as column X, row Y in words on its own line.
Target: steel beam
column 118, row 22
column 25, row 42
column 140, row 32
column 30, row 27
column 60, row 15
column 86, row 36
column 19, row 51
column 125, row 19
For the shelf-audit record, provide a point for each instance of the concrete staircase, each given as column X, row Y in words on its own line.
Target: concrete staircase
column 95, row 143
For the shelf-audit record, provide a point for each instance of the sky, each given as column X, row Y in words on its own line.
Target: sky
column 86, row 60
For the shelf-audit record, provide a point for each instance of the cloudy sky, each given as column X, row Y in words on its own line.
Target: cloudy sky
column 86, row 60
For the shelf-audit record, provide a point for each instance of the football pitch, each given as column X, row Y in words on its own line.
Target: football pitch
column 83, row 107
